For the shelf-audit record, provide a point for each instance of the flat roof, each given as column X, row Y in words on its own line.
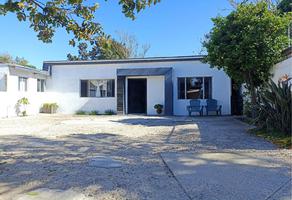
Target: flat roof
column 25, row 68
column 121, row 61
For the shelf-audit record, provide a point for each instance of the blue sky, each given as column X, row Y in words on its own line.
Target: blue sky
column 172, row 27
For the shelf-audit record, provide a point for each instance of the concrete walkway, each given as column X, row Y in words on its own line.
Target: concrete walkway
column 229, row 176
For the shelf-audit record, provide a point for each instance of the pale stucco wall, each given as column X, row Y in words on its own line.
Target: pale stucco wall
column 282, row 68
column 64, row 85
column 10, row 97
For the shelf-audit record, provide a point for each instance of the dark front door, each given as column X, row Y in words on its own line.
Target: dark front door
column 137, row 95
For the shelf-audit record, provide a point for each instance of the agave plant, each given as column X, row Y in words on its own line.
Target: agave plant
column 274, row 107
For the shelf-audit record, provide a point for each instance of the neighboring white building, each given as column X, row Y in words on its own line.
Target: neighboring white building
column 17, row 82
column 284, row 67
column 136, row 85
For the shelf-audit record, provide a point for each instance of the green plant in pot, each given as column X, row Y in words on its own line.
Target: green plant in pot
column 159, row 108
column 49, row 108
column 21, row 106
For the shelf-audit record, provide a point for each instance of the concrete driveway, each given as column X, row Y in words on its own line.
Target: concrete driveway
column 135, row 157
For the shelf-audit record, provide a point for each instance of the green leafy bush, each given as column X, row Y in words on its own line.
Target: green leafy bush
column 81, row 112
column 94, row 112
column 109, row 112
column 274, row 107
column 49, row 108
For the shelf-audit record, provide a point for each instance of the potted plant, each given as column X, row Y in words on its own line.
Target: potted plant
column 54, row 108
column 159, row 108
column 21, row 106
column 49, row 108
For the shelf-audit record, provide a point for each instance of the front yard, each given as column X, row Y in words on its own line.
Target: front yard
column 136, row 157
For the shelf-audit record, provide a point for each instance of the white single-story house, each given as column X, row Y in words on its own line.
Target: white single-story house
column 136, row 85
column 17, row 82
column 124, row 86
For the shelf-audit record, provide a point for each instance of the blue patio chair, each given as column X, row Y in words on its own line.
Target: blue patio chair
column 212, row 105
column 195, row 106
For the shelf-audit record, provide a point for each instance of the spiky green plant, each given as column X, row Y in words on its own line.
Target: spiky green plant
column 274, row 107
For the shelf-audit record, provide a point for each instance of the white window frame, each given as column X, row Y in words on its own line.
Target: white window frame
column 42, row 85
column 22, row 80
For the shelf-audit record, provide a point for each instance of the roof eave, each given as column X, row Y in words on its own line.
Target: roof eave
column 123, row 61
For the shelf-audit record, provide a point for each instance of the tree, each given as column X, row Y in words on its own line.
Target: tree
column 7, row 58
column 103, row 47
column 285, row 6
column 21, row 61
column 131, row 43
column 75, row 16
column 247, row 43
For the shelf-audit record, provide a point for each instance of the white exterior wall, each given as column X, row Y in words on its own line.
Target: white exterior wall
column 221, row 85
column 10, row 97
column 282, row 68
column 155, row 93
column 64, row 85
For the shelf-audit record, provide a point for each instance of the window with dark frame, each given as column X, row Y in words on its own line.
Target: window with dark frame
column 41, row 85
column 194, row 88
column 22, row 84
column 97, row 88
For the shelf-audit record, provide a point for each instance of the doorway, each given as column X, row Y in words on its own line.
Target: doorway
column 236, row 99
column 137, row 96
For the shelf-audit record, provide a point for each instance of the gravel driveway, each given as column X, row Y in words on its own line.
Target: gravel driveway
column 54, row 156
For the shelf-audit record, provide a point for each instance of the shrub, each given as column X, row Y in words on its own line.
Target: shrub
column 49, row 108
column 81, row 112
column 94, row 112
column 247, row 109
column 109, row 112
column 274, row 107
column 23, row 101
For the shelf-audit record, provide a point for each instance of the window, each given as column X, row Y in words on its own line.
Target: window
column 3, row 82
column 97, row 88
column 194, row 88
column 181, row 88
column 22, row 84
column 41, row 85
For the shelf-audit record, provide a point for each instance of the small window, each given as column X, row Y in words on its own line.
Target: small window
column 41, row 85
column 84, row 86
column 194, row 88
column 181, row 88
column 22, row 84
column 97, row 88
column 3, row 82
